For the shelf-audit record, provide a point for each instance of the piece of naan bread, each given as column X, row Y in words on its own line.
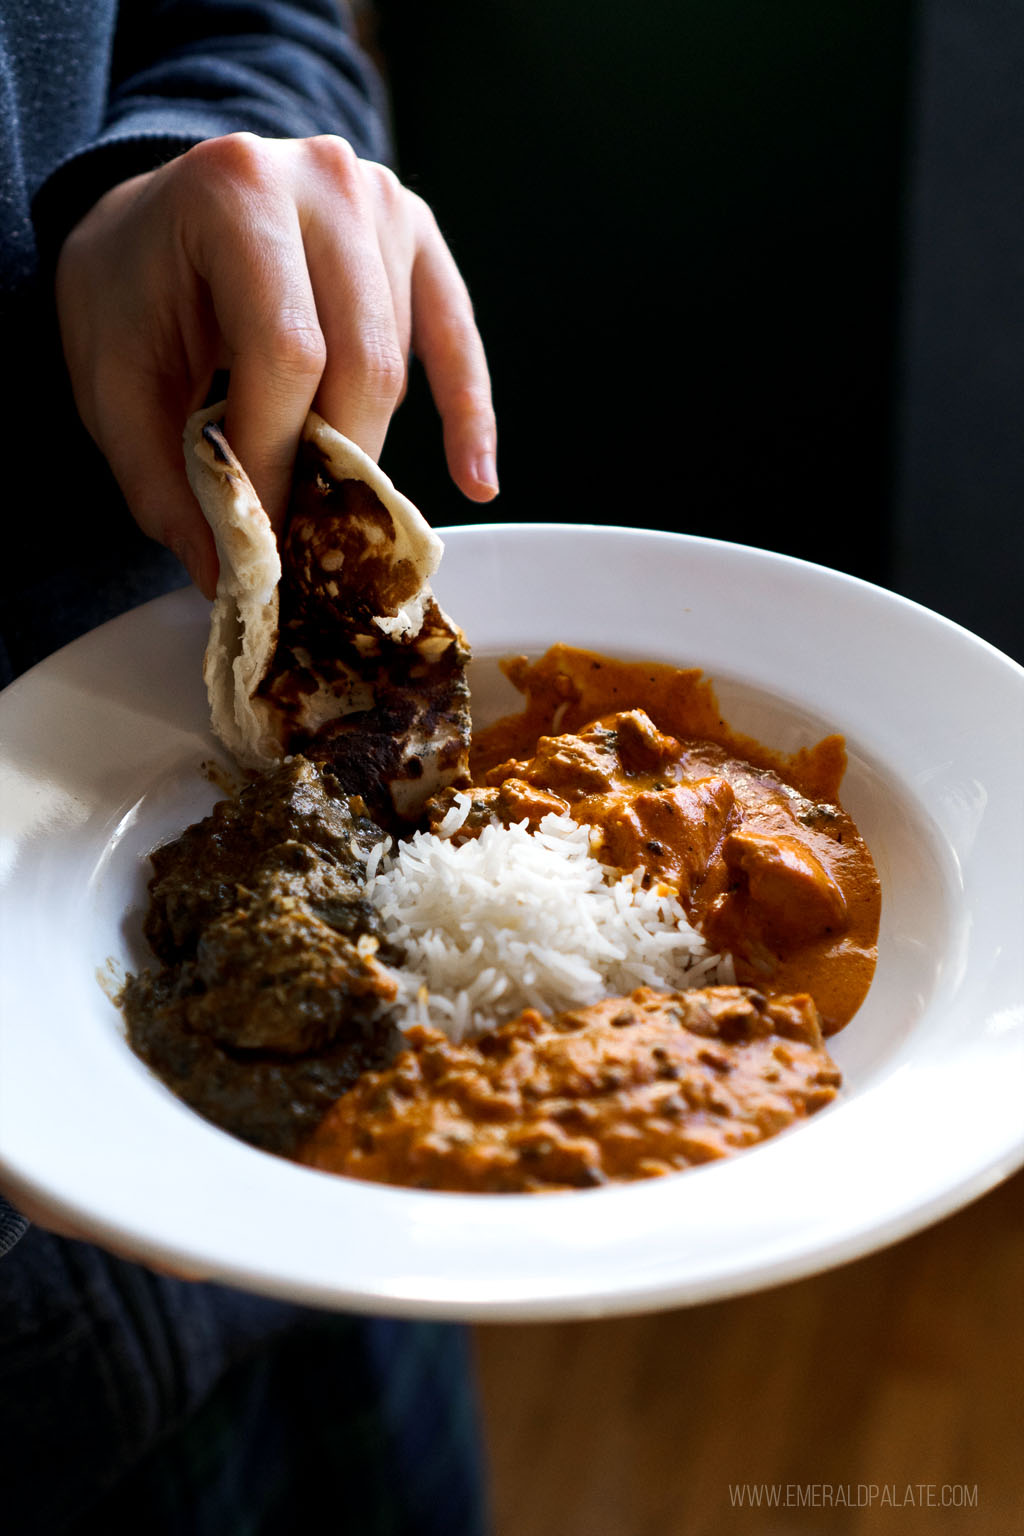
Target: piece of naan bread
column 332, row 645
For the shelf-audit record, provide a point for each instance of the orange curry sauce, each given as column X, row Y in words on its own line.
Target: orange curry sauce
column 765, row 860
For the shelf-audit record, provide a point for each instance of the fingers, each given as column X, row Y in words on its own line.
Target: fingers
column 446, row 339
column 131, row 399
column 372, row 269
column 359, row 245
column 310, row 308
column 145, row 453
column 302, row 269
column 246, row 240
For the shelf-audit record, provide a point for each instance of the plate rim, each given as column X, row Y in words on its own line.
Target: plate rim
column 661, row 1292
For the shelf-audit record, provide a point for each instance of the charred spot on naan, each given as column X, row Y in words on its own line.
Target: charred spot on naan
column 356, row 665
column 219, row 443
column 384, row 704
column 340, row 560
column 413, row 741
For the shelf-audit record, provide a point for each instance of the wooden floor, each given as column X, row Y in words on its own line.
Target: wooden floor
column 893, row 1384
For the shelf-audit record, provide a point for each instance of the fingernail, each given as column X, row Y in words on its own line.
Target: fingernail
column 486, row 471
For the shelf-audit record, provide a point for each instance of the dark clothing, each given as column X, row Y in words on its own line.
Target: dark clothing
column 90, row 93
column 12, row 1226
column 131, row 1402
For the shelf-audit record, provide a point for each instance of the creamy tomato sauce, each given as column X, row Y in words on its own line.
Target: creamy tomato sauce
column 764, row 858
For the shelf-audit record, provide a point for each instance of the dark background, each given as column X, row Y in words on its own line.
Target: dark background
column 743, row 270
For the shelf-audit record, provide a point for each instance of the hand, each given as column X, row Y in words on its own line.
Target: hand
column 305, row 271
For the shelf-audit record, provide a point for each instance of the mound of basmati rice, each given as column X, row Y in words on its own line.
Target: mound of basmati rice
column 512, row 919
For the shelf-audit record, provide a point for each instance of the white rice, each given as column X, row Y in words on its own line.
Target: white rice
column 512, row 919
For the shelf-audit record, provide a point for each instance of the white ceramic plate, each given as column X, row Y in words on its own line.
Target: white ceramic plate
column 102, row 757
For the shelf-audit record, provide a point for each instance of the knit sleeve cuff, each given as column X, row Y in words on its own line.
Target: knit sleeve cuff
column 12, row 1226
column 80, row 181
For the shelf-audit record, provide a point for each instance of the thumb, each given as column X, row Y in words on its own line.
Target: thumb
column 143, row 445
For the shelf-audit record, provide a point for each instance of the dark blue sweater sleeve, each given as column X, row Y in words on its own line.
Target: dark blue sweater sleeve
column 283, row 68
column 187, row 70
column 12, row 1225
